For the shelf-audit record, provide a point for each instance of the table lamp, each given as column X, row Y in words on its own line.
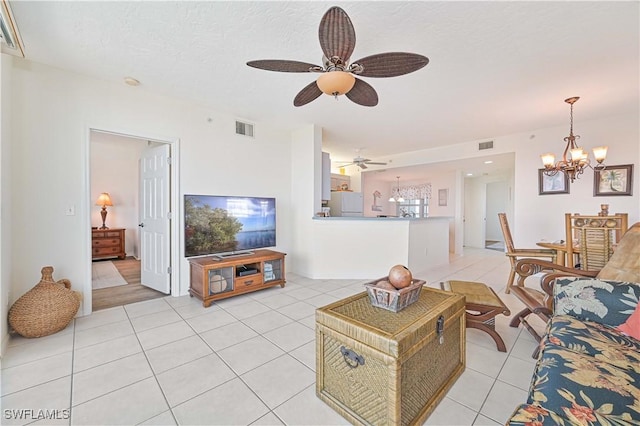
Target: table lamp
column 104, row 200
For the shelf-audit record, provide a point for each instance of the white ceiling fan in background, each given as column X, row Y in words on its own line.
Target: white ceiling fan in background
column 361, row 162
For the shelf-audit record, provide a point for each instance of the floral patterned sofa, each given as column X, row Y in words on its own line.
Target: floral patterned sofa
column 588, row 371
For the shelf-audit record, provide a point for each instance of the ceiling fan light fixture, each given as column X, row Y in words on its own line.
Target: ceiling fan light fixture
column 336, row 83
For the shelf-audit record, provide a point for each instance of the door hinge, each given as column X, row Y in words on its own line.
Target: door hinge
column 168, row 269
column 169, row 160
column 169, row 216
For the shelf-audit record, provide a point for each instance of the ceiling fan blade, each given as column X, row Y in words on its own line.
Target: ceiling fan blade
column 363, row 94
column 345, row 165
column 362, row 166
column 282, row 65
column 337, row 35
column 373, row 163
column 306, row 95
column 391, row 64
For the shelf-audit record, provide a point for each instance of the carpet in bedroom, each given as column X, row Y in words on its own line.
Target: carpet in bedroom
column 105, row 274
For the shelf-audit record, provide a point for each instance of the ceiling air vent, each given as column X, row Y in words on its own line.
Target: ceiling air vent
column 485, row 145
column 9, row 36
column 244, row 129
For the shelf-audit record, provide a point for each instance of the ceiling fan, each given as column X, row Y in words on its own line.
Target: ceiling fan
column 337, row 40
column 363, row 162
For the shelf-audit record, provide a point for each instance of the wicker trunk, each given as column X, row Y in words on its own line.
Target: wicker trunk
column 379, row 367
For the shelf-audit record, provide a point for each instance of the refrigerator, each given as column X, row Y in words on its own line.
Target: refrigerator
column 345, row 203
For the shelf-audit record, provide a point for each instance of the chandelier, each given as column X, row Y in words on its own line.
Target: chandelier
column 396, row 197
column 574, row 159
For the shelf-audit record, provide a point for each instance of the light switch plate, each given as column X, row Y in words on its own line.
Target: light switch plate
column 70, row 210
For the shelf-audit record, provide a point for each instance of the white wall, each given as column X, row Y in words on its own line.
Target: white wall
column 306, row 187
column 53, row 112
column 358, row 248
column 537, row 217
column 115, row 169
column 5, row 197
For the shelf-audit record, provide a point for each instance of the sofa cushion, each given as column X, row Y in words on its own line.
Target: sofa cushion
column 583, row 389
column 631, row 327
column 603, row 301
column 602, row 342
column 624, row 264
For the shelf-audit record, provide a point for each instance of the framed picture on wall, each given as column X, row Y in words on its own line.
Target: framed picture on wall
column 556, row 184
column 613, row 180
column 443, row 196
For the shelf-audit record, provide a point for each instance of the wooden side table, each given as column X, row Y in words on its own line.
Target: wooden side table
column 482, row 305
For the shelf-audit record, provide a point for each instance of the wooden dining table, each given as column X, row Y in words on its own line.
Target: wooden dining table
column 560, row 248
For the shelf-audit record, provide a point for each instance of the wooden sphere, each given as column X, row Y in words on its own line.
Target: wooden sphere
column 400, row 276
column 385, row 285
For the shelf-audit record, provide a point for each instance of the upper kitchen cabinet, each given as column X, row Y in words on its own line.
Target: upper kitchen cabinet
column 340, row 182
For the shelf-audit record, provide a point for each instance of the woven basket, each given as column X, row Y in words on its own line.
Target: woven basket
column 45, row 309
column 393, row 300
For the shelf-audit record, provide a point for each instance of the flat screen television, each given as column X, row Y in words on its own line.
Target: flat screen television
column 227, row 225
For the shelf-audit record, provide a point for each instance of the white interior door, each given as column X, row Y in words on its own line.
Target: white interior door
column 496, row 203
column 155, row 218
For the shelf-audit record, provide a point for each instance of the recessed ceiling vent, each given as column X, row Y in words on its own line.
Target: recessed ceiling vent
column 485, row 145
column 9, row 36
column 244, row 129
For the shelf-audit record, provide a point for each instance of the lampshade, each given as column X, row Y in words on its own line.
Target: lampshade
column 104, row 200
column 336, row 82
column 600, row 153
column 548, row 159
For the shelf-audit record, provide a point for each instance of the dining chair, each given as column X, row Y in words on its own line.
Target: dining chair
column 515, row 254
column 595, row 248
column 575, row 223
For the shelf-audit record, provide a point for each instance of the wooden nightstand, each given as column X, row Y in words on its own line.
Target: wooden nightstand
column 107, row 243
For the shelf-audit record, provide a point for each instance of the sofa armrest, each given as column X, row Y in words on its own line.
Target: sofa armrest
column 550, row 271
column 603, row 301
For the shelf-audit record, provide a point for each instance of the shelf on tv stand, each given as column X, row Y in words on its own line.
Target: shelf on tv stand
column 213, row 278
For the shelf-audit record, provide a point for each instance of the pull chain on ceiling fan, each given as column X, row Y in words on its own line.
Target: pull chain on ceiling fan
column 337, row 76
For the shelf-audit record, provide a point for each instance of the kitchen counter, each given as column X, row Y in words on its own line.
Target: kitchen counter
column 367, row 247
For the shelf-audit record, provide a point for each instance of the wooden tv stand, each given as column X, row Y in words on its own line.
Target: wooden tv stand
column 213, row 278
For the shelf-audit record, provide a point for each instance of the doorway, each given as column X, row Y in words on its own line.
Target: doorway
column 484, row 198
column 115, row 161
column 496, row 202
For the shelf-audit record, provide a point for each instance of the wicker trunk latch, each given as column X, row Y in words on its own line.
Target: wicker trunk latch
column 352, row 359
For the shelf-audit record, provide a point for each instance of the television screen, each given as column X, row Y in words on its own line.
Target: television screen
column 227, row 224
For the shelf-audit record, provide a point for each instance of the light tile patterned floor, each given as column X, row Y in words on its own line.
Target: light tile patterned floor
column 245, row 360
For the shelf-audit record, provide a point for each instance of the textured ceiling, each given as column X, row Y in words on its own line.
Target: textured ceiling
column 495, row 67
